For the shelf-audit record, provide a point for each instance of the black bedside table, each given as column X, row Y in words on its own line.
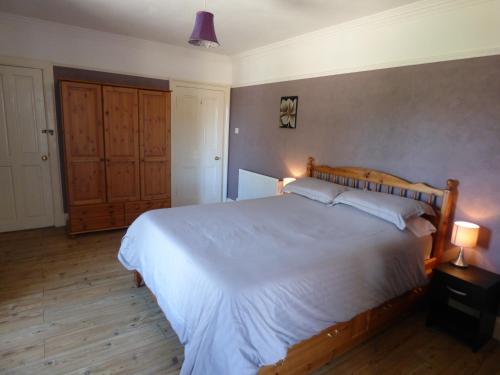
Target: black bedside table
column 464, row 301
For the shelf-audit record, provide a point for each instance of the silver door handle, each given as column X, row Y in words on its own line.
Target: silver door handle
column 44, row 157
column 217, row 158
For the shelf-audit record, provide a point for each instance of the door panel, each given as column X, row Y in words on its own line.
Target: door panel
column 82, row 120
column 87, row 181
column 154, row 129
column 84, row 142
column 4, row 132
column 7, row 203
column 34, row 202
column 157, row 176
column 212, row 116
column 186, row 158
column 197, row 150
column 122, row 179
column 25, row 187
column 121, row 126
column 26, row 113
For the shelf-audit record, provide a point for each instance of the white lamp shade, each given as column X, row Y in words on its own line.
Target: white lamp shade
column 464, row 234
column 287, row 180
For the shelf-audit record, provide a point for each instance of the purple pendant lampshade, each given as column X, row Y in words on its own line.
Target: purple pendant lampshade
column 204, row 32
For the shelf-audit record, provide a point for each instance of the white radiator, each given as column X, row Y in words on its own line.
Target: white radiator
column 253, row 185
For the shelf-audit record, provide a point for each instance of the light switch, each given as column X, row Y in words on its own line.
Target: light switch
column 236, row 130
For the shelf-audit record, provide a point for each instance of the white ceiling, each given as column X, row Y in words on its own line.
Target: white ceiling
column 240, row 24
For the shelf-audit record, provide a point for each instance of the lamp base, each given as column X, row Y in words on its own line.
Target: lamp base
column 460, row 261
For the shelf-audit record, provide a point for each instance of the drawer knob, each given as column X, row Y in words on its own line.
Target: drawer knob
column 280, row 363
column 458, row 292
column 333, row 334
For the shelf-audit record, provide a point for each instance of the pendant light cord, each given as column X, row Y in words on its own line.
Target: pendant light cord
column 205, row 2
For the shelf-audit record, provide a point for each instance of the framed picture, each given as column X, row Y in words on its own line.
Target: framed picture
column 288, row 111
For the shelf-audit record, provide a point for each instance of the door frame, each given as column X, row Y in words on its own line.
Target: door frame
column 174, row 84
column 53, row 141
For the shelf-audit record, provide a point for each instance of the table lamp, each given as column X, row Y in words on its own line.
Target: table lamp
column 464, row 235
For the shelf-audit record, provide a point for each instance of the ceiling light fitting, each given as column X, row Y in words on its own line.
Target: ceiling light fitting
column 204, row 31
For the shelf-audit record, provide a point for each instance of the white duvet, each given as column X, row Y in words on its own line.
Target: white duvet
column 242, row 282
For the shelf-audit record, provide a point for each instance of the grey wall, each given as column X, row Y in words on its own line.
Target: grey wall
column 424, row 123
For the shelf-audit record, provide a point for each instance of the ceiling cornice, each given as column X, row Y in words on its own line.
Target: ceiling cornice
column 481, row 52
column 440, row 30
column 385, row 18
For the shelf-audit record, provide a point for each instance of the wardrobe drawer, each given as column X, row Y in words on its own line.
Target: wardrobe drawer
column 85, row 219
column 134, row 209
column 96, row 210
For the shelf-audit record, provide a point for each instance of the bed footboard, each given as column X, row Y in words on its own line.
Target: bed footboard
column 138, row 280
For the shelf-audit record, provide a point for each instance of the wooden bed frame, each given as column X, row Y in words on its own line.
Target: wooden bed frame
column 309, row 355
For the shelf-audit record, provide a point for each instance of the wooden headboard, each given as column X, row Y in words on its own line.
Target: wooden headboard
column 442, row 200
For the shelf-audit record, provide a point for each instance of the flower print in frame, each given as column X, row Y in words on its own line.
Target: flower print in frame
column 288, row 111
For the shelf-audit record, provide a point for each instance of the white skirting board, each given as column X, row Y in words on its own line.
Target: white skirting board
column 253, row 185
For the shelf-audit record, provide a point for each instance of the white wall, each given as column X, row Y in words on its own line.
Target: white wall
column 425, row 31
column 84, row 48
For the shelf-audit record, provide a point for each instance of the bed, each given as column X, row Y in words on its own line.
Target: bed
column 283, row 284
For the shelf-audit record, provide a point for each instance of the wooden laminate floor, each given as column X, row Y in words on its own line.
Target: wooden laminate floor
column 68, row 307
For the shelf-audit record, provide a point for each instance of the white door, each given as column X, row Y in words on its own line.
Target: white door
column 25, row 184
column 197, row 146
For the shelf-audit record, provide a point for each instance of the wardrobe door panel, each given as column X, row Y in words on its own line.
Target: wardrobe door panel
column 83, row 143
column 121, row 129
column 88, row 180
column 154, row 125
column 156, row 178
column 122, row 180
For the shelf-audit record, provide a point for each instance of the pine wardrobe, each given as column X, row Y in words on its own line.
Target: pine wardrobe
column 116, row 154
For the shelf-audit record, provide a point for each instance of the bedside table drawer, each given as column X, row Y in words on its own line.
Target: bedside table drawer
column 446, row 287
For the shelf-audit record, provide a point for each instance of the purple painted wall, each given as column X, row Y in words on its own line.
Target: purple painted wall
column 424, row 123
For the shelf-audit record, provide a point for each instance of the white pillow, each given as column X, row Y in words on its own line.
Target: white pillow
column 315, row 189
column 420, row 227
column 391, row 208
